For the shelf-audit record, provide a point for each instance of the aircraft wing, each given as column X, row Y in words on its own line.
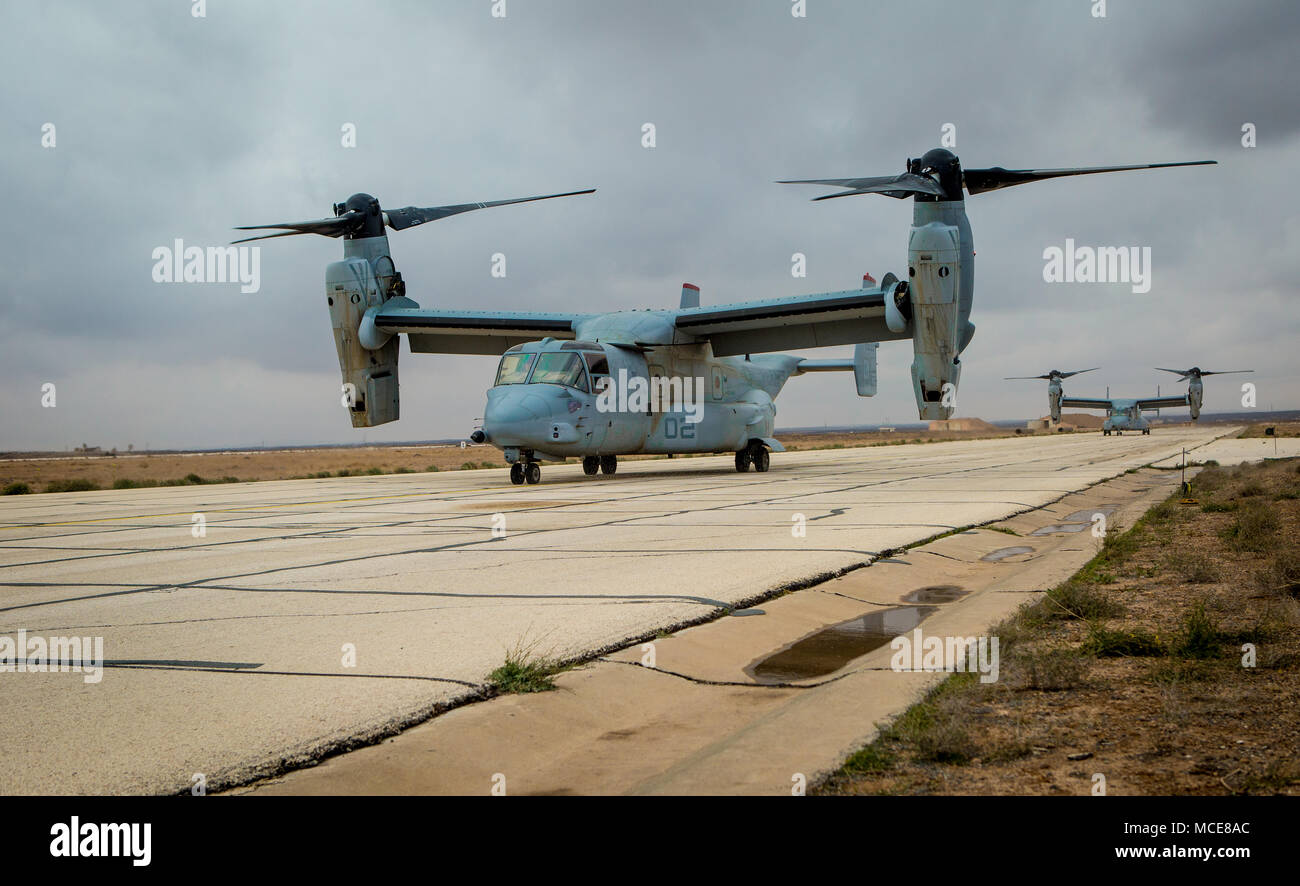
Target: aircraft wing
column 783, row 324
column 1162, row 402
column 473, row 332
column 1084, row 403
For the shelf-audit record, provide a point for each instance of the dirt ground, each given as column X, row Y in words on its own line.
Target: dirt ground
column 39, row 470
column 283, row 464
column 1280, row 429
column 1124, row 678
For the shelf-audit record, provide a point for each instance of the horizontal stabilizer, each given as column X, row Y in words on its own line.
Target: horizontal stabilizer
column 863, row 367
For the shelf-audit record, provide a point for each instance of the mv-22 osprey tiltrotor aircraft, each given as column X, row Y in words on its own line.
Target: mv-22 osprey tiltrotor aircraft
column 583, row 385
column 1125, row 413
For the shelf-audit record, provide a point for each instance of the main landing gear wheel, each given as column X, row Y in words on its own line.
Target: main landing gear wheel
column 755, row 454
column 517, row 473
column 591, row 465
column 533, row 473
column 608, row 464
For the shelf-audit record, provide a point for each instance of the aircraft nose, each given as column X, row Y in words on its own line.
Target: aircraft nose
column 515, row 417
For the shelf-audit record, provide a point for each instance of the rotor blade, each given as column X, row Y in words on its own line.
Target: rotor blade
column 328, row 227
column 1227, row 372
column 1183, row 373
column 1026, row 377
column 980, row 180
column 268, row 237
column 899, row 186
column 1079, row 372
column 410, row 216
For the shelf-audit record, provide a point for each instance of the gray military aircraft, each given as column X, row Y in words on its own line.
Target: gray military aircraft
column 1125, row 413
column 690, row 379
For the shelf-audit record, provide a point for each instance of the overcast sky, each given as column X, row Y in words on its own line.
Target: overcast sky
column 169, row 126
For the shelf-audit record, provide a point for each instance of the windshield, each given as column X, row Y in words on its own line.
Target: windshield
column 514, row 369
column 560, row 369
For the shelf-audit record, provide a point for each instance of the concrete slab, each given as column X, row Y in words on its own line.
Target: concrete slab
column 229, row 648
column 697, row 723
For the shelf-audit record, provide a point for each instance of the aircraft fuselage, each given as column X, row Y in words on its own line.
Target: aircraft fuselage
column 555, row 400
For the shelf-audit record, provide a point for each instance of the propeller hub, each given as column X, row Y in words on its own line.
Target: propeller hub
column 371, row 221
column 943, row 165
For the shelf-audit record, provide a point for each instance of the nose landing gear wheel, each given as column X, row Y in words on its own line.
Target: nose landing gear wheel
column 608, row 464
column 742, row 460
column 517, row 474
column 533, row 473
column 591, row 465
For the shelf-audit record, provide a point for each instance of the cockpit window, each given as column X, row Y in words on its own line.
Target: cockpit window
column 514, row 369
column 597, row 364
column 560, row 369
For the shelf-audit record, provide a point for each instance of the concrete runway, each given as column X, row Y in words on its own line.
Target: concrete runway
column 228, row 650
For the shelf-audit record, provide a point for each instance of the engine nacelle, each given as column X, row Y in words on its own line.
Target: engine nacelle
column 1054, row 394
column 1195, row 397
column 934, row 269
column 370, row 390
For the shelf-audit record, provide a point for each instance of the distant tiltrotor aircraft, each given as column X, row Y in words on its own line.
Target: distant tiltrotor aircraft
column 1124, row 413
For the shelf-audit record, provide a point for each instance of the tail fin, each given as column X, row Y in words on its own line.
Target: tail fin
column 864, row 368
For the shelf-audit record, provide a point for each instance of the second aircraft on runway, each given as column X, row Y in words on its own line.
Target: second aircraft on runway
column 1126, row 413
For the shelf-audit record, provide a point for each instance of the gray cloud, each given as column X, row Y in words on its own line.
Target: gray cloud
column 171, row 127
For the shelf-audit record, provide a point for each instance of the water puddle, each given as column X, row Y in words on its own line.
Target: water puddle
column 832, row 648
column 1002, row 553
column 1085, row 516
column 936, row 594
column 1076, row 522
column 1061, row 527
